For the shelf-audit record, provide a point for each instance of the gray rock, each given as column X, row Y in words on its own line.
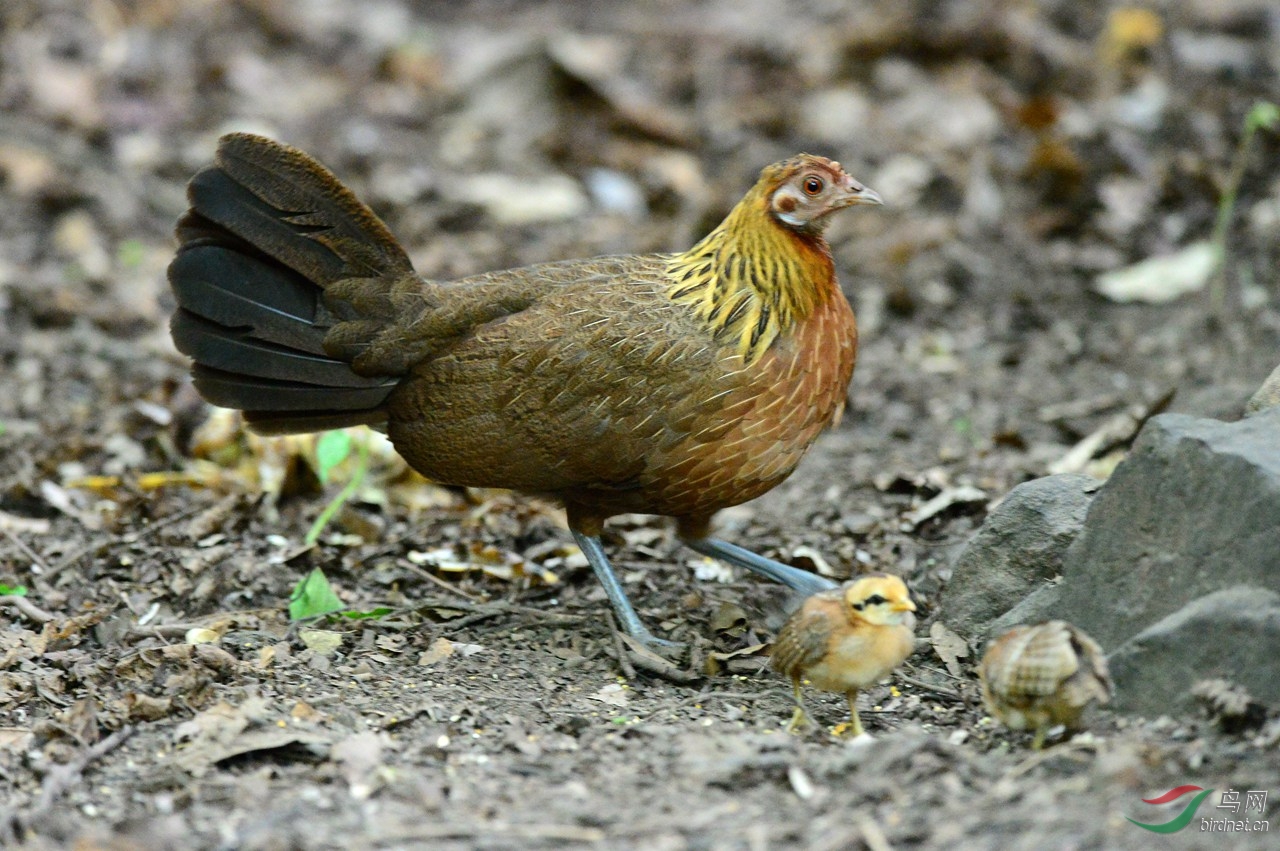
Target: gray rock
column 1176, row 571
column 1040, row 606
column 1194, row 509
column 1233, row 634
column 1268, row 395
column 1019, row 548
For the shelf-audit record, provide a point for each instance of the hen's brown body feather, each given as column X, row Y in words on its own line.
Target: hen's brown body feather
column 612, row 397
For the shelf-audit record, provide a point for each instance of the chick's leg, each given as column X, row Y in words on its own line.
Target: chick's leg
column 627, row 617
column 852, row 727
column 799, row 718
column 1038, row 742
column 793, row 577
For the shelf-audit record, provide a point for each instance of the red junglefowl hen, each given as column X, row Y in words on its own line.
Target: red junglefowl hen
column 671, row 384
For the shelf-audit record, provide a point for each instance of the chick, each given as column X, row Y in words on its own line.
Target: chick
column 846, row 639
column 1036, row 677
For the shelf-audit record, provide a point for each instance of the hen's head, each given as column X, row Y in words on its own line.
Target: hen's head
column 800, row 193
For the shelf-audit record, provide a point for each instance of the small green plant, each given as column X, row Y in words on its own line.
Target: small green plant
column 313, row 596
column 1263, row 116
column 371, row 614
column 12, row 590
column 130, row 253
column 332, row 449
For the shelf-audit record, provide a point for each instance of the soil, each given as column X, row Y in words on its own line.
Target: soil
column 1023, row 148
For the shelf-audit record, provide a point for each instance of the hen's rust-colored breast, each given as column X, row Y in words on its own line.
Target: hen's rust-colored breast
column 770, row 420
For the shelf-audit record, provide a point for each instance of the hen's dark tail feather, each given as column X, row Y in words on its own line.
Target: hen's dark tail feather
column 269, row 230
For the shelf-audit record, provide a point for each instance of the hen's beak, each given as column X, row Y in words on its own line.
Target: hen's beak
column 860, row 194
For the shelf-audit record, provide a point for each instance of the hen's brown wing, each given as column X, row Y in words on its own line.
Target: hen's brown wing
column 579, row 387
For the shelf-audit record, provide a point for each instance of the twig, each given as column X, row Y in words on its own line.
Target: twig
column 1078, row 408
column 63, row 777
column 556, row 832
column 543, row 614
column 27, row 607
column 36, row 561
column 498, row 607
column 704, row 696
column 162, row 523
column 939, row 671
column 929, row 688
column 164, row 631
column 1067, row 749
column 479, row 612
column 620, row 651
column 872, row 834
column 1118, row 430
column 473, row 618
column 431, row 577
column 73, row 557
column 128, row 538
column 646, row 660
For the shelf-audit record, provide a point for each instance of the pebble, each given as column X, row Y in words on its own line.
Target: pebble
column 615, row 192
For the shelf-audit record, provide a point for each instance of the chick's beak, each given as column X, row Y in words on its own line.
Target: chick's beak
column 904, row 606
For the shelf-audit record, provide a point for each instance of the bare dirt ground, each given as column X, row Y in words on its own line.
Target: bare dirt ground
column 1023, row 148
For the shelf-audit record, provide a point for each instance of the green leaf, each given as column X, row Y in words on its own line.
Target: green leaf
column 332, row 449
column 12, row 590
column 131, row 253
column 1264, row 115
column 313, row 596
column 380, row 612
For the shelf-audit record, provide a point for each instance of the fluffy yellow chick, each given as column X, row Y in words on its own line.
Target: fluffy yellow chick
column 845, row 640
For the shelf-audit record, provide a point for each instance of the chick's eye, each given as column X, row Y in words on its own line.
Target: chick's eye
column 813, row 185
column 875, row 600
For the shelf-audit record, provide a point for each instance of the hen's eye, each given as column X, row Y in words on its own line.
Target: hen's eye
column 813, row 185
